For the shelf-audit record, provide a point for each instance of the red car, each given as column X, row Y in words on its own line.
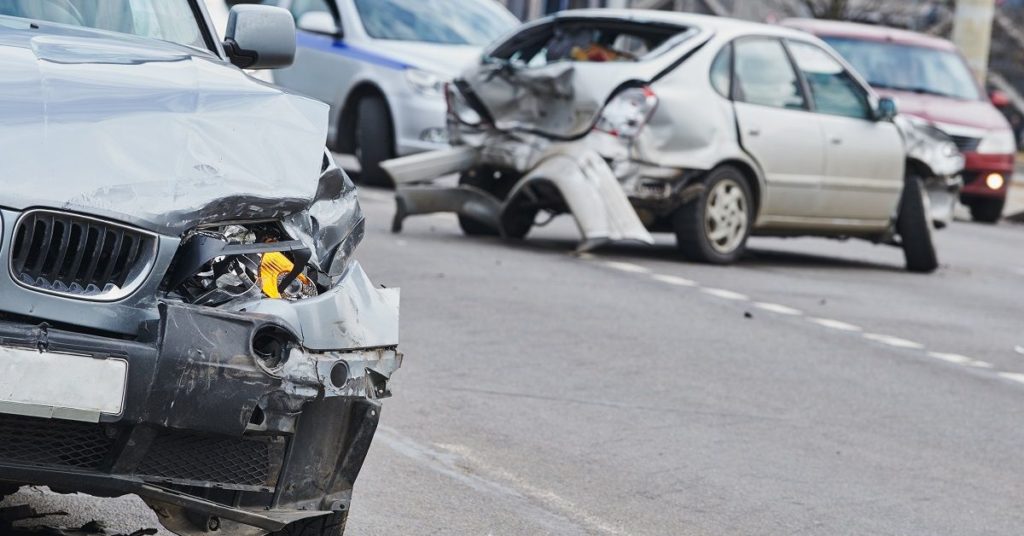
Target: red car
column 931, row 81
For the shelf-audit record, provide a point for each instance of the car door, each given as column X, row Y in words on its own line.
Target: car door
column 777, row 129
column 320, row 69
column 864, row 158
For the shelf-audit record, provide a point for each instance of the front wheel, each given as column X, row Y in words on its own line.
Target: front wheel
column 331, row 525
column 987, row 210
column 374, row 140
column 914, row 226
column 714, row 227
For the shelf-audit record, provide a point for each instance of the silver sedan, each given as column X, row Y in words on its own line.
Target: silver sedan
column 710, row 128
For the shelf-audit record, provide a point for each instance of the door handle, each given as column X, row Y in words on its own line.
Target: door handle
column 836, row 141
column 754, row 132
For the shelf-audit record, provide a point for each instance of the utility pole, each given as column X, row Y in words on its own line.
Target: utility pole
column 972, row 32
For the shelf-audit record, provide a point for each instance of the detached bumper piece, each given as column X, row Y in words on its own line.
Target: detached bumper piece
column 228, row 422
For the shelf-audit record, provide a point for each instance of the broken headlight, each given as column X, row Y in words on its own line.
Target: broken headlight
column 217, row 265
column 295, row 258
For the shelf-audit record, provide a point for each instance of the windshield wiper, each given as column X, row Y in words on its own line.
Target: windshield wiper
column 914, row 89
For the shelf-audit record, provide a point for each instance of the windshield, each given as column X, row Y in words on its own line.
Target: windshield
column 451, row 22
column 168, row 20
column 909, row 68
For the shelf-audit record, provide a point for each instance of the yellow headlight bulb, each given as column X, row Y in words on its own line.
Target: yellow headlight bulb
column 273, row 268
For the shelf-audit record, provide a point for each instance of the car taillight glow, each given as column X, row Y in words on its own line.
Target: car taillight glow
column 627, row 113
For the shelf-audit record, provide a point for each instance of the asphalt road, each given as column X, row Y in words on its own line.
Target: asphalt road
column 815, row 388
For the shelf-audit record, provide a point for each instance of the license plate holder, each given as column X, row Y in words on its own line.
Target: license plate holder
column 61, row 386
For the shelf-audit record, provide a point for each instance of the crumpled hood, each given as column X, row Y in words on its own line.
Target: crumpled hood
column 446, row 60
column 147, row 132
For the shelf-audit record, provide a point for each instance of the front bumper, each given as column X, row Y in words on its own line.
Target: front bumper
column 210, row 435
column 979, row 167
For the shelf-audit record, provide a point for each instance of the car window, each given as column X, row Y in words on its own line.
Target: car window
column 721, row 71
column 765, row 76
column 833, row 90
column 587, row 41
column 453, row 22
column 167, row 20
column 301, row 7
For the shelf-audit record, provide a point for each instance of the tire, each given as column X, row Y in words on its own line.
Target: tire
column 725, row 203
column 914, row 226
column 332, row 525
column 987, row 210
column 374, row 140
column 482, row 178
column 516, row 220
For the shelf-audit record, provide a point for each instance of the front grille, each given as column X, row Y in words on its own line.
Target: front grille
column 185, row 458
column 44, row 442
column 966, row 144
column 78, row 256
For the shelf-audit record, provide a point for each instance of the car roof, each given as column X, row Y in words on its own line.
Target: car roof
column 867, row 32
column 721, row 26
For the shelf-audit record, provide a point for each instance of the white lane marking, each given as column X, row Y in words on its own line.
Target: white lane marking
column 1012, row 376
column 956, row 359
column 627, row 267
column 1019, row 349
column 893, row 341
column 834, row 324
column 725, row 294
column 462, row 465
column 673, row 280
column 778, row 309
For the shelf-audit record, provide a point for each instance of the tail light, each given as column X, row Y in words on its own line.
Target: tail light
column 628, row 111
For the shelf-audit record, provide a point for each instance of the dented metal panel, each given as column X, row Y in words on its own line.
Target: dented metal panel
column 140, row 127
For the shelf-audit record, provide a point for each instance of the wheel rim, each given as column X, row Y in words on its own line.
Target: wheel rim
column 725, row 216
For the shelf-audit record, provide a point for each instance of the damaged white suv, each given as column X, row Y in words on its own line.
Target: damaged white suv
column 714, row 129
column 180, row 314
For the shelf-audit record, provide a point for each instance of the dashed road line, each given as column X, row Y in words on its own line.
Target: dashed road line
column 725, row 294
column 835, row 324
column 778, row 309
column 785, row 310
column 627, row 267
column 1012, row 376
column 673, row 280
column 956, row 359
column 895, row 342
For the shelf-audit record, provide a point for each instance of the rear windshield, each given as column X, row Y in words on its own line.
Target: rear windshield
column 587, row 41
column 450, row 22
column 909, row 68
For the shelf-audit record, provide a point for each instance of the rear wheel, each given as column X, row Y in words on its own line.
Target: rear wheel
column 987, row 210
column 374, row 140
column 714, row 227
column 332, row 525
column 914, row 225
column 517, row 220
column 484, row 179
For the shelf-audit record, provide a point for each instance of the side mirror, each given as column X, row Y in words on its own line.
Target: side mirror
column 886, row 110
column 999, row 99
column 260, row 37
column 319, row 22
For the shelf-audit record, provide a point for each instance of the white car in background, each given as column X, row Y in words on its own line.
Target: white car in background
column 382, row 66
column 710, row 128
